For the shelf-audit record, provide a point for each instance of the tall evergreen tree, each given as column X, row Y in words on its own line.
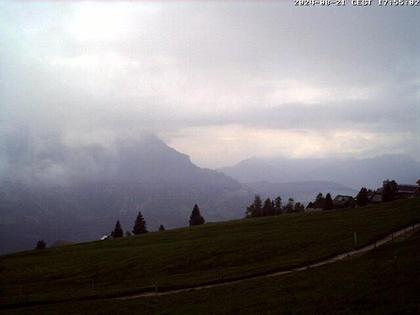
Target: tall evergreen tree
column 139, row 225
column 257, row 206
column 268, row 207
column 299, row 207
column 319, row 201
column 250, row 211
column 389, row 188
column 40, row 245
column 290, row 205
column 196, row 218
column 255, row 209
column 362, row 197
column 328, row 203
column 118, row 231
column 277, row 205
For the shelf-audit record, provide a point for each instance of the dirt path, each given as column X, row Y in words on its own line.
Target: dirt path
column 363, row 250
column 403, row 233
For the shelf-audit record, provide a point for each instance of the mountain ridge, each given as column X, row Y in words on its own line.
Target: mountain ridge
column 103, row 185
column 351, row 172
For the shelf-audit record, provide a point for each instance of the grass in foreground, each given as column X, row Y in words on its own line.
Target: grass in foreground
column 385, row 281
column 191, row 256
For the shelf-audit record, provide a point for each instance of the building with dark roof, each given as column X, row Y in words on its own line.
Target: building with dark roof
column 406, row 191
column 342, row 201
column 375, row 196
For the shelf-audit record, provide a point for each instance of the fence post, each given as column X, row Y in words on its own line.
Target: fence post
column 355, row 239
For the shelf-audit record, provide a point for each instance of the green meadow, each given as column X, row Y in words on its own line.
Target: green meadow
column 220, row 251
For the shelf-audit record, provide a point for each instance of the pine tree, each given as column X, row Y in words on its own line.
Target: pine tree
column 161, row 228
column 389, row 188
column 257, row 206
column 268, row 207
column 118, row 231
column 277, row 205
column 250, row 211
column 255, row 209
column 362, row 198
column 319, row 201
column 139, row 225
column 196, row 218
column 328, row 203
column 40, row 245
column 299, row 207
column 290, row 205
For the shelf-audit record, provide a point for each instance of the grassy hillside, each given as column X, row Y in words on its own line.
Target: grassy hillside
column 385, row 281
column 190, row 256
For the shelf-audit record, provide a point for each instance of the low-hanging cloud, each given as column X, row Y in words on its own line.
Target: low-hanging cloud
column 79, row 75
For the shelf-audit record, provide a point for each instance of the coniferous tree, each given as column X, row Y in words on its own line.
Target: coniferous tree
column 386, row 192
column 139, row 225
column 277, row 205
column 328, row 203
column 250, row 211
column 319, row 201
column 40, row 244
column 118, row 231
column 196, row 218
column 299, row 207
column 161, row 228
column 255, row 209
column 362, row 197
column 257, row 206
column 389, row 188
column 268, row 207
column 290, row 205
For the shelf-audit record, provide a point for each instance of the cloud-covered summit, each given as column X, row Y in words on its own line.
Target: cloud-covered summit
column 218, row 80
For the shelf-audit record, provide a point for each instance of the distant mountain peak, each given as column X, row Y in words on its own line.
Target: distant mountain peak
column 351, row 172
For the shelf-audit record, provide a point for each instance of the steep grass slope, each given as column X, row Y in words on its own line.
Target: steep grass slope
column 191, row 256
column 385, row 281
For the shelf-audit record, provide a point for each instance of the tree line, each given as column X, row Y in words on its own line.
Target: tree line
column 321, row 202
column 140, row 224
column 270, row 207
column 388, row 193
column 258, row 208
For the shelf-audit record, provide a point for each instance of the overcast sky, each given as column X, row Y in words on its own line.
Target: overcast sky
column 219, row 81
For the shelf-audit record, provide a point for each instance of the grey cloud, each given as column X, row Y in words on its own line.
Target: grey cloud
column 205, row 64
